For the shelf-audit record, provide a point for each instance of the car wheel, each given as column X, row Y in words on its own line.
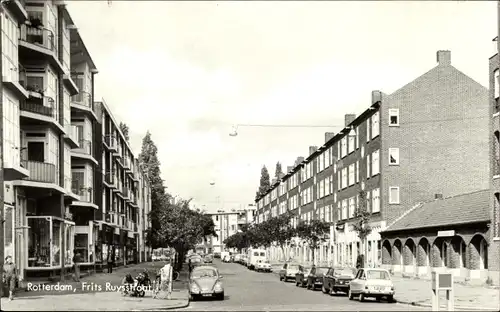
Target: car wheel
column 297, row 284
column 349, row 294
column 333, row 292
column 361, row 297
column 378, row 299
column 191, row 297
column 281, row 278
column 390, row 299
column 323, row 289
column 220, row 296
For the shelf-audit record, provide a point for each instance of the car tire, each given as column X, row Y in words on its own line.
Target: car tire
column 333, row 292
column 191, row 297
column 220, row 296
column 378, row 299
column 349, row 294
column 323, row 289
column 281, row 278
column 390, row 299
column 297, row 284
column 361, row 297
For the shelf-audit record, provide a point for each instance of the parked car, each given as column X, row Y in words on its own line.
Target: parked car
column 208, row 259
column 288, row 271
column 237, row 258
column 244, row 260
column 301, row 276
column 372, row 283
column 205, row 281
column 315, row 277
column 263, row 266
column 337, row 280
column 217, row 255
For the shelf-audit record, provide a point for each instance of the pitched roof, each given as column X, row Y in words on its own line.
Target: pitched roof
column 459, row 209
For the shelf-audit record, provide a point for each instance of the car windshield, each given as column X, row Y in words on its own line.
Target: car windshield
column 346, row 271
column 256, row 254
column 377, row 275
column 293, row 267
column 262, row 254
column 203, row 273
column 321, row 270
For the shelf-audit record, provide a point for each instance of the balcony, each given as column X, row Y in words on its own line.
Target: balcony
column 84, row 192
column 38, row 43
column 84, row 151
column 40, row 171
column 71, row 135
column 126, row 164
column 118, row 152
column 110, row 179
column 110, row 142
column 82, row 102
column 39, row 109
column 15, row 81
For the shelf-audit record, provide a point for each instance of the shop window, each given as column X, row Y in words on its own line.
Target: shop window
column 44, row 245
column 82, row 246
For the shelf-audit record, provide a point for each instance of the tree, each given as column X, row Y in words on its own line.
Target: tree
column 362, row 224
column 279, row 172
column 265, row 181
column 282, row 230
column 148, row 159
column 314, row 233
column 124, row 129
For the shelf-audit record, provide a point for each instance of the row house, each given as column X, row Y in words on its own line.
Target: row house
column 52, row 170
column 126, row 197
column 494, row 101
column 406, row 149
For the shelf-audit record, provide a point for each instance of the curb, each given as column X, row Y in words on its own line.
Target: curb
column 459, row 307
column 180, row 306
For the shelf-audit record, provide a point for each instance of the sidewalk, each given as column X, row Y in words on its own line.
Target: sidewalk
column 75, row 298
column 418, row 292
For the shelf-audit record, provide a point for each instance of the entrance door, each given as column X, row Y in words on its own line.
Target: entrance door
column 36, row 151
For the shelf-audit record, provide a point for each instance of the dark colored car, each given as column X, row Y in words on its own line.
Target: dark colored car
column 337, row 280
column 301, row 276
column 217, row 255
column 315, row 277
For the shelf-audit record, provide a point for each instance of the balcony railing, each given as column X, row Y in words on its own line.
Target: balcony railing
column 110, row 141
column 38, row 108
column 40, row 171
column 79, row 188
column 82, row 98
column 85, row 146
column 110, row 177
column 39, row 36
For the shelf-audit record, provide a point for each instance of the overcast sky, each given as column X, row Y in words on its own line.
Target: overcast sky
column 188, row 71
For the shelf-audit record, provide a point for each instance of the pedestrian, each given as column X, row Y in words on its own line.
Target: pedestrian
column 77, row 258
column 9, row 276
column 111, row 259
column 190, row 265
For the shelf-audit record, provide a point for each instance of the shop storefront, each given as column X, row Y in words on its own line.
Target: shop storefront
column 85, row 242
column 45, row 241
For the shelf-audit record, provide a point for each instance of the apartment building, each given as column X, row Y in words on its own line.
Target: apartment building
column 494, row 238
column 406, row 148
column 126, row 195
column 51, row 152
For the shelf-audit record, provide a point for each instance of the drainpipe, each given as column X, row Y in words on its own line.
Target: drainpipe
column 60, row 100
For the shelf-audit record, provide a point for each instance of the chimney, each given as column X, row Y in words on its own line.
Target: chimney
column 289, row 168
column 376, row 96
column 444, row 57
column 312, row 149
column 349, row 118
column 300, row 159
column 438, row 196
column 329, row 136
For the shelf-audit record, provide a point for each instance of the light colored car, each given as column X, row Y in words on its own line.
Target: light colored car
column 288, row 271
column 205, row 281
column 263, row 266
column 372, row 283
column 237, row 258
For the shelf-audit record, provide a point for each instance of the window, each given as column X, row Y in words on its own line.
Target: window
column 368, row 130
column 356, row 130
column 496, row 83
column 352, row 141
column 343, row 150
column 368, row 201
column 352, row 207
column 339, row 182
column 36, row 151
column 327, row 159
column 375, row 125
column 352, row 174
column 357, row 171
column 394, row 117
column 394, row 195
column 344, row 209
column 321, row 188
column 375, row 163
column 368, row 165
column 339, row 154
column 334, row 197
column 394, row 156
column 335, row 167
column 376, row 200
column 344, row 178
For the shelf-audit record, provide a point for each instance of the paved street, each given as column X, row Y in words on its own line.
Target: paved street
column 248, row 290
